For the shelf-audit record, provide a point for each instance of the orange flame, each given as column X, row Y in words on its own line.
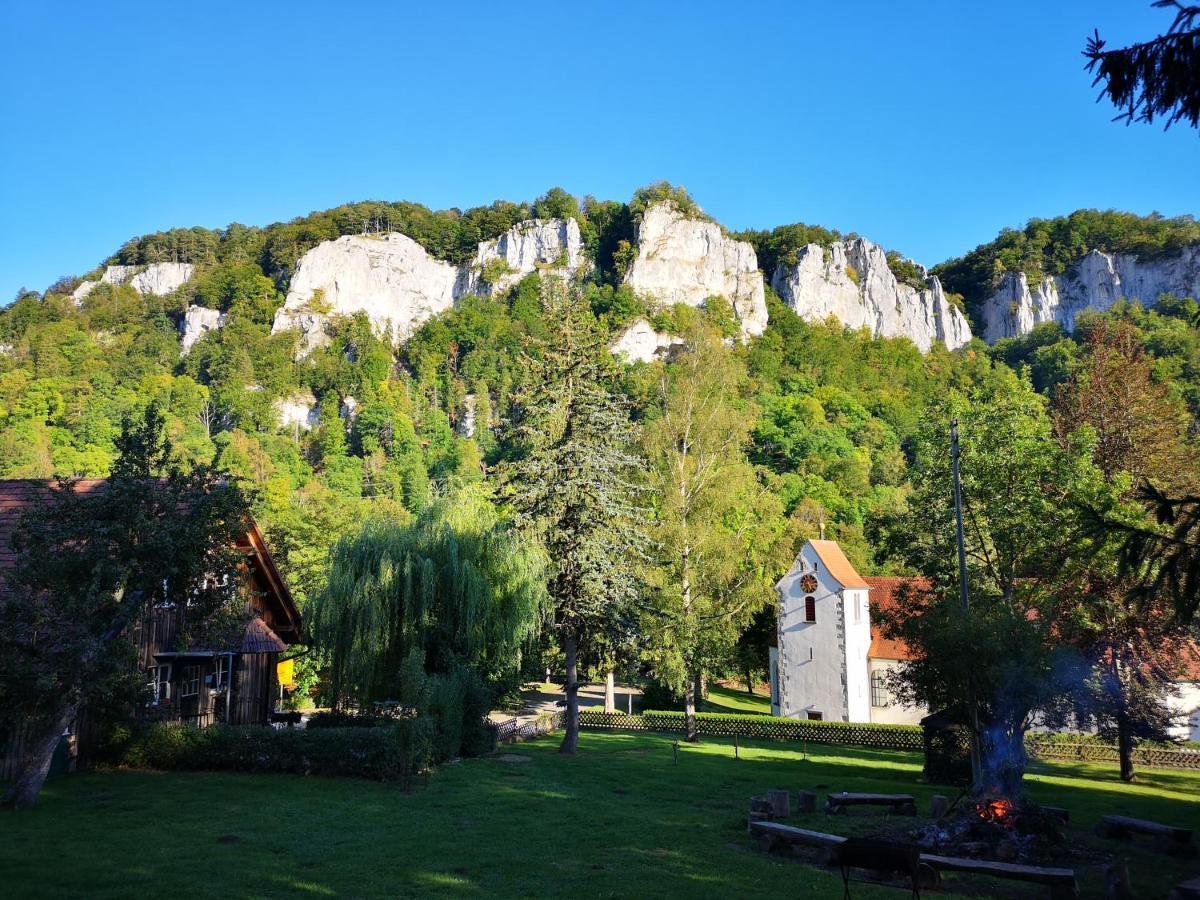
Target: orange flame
column 995, row 810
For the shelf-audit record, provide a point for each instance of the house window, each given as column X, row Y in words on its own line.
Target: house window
column 879, row 689
column 220, row 679
column 857, row 612
column 814, row 716
column 160, row 683
column 190, row 685
column 810, row 609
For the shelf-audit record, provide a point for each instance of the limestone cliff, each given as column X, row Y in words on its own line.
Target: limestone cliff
column 197, row 322
column 682, row 260
column 1095, row 282
column 554, row 245
column 390, row 277
column 399, row 285
column 156, row 278
column 641, row 343
column 852, row 282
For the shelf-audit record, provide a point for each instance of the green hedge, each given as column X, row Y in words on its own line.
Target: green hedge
column 776, row 728
column 384, row 754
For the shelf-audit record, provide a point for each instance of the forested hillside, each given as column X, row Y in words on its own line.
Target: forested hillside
column 832, row 410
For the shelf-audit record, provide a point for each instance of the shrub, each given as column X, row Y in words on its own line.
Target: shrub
column 396, row 752
column 338, row 719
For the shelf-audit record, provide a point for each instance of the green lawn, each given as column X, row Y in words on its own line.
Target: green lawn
column 733, row 700
column 620, row 820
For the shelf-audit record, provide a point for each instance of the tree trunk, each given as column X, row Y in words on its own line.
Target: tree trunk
column 691, row 725
column 746, row 673
column 1124, row 725
column 571, row 736
column 610, row 694
column 35, row 763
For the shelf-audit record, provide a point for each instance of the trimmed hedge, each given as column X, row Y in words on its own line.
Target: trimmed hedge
column 383, row 754
column 775, row 728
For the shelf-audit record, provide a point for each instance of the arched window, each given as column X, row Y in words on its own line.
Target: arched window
column 810, row 609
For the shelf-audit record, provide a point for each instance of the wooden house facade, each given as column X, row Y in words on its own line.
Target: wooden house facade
column 232, row 682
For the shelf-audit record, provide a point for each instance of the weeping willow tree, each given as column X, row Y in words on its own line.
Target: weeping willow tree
column 456, row 587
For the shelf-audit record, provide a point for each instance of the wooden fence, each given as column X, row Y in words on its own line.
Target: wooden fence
column 879, row 737
column 516, row 730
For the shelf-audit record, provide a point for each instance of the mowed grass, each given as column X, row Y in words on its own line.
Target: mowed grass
column 723, row 699
column 622, row 819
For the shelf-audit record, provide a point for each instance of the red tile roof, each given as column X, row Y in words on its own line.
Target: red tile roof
column 882, row 595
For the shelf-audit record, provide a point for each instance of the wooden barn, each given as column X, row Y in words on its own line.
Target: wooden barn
column 235, row 683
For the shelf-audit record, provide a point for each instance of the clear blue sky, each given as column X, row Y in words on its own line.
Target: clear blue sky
column 926, row 126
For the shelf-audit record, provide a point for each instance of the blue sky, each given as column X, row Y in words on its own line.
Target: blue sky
column 926, row 126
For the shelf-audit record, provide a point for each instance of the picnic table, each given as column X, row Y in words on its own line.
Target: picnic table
column 1170, row 837
column 901, row 804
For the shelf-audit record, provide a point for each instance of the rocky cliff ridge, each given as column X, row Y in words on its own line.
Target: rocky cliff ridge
column 1095, row 282
column 685, row 260
column 157, row 278
column 395, row 281
column 852, row 282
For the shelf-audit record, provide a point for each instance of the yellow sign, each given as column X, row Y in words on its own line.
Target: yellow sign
column 286, row 672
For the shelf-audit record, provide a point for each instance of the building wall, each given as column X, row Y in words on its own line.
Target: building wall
column 893, row 713
column 1187, row 704
column 812, row 674
column 857, row 615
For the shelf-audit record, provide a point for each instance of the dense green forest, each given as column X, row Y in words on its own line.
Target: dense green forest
column 832, row 413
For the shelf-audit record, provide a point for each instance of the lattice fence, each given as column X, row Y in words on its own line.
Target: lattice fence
column 880, row 737
column 516, row 730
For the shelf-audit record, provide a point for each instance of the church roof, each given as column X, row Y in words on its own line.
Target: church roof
column 882, row 597
column 837, row 565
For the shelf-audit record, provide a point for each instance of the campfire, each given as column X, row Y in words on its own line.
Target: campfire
column 996, row 827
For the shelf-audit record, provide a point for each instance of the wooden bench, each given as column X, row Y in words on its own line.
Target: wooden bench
column 901, row 804
column 774, row 835
column 1061, row 882
column 1172, row 839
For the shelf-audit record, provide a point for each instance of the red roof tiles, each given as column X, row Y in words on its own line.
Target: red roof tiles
column 882, row 595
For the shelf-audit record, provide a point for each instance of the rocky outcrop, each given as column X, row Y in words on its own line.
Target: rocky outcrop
column 682, row 260
column 553, row 245
column 641, row 343
column 391, row 278
column 299, row 411
column 399, row 285
column 197, row 322
column 157, row 278
column 851, row 282
column 1095, row 282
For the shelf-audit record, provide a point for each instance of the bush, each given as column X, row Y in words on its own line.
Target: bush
column 338, row 719
column 396, row 752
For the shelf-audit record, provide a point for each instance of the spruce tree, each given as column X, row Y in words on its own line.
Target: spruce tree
column 567, row 474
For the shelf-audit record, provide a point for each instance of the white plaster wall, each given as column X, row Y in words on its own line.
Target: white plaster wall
column 857, row 615
column 894, row 713
column 1187, row 704
column 811, row 665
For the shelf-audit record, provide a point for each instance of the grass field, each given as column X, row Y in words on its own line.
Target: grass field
column 620, row 820
column 735, row 700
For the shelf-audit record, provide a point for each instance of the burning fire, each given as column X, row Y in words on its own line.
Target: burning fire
column 995, row 810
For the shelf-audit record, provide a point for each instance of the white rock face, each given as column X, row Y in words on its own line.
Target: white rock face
column 390, row 278
column 851, row 281
column 466, row 419
column 297, row 411
column 641, row 343
column 552, row 244
column 682, row 260
column 157, row 278
column 348, row 409
column 197, row 322
column 1095, row 282
column 399, row 285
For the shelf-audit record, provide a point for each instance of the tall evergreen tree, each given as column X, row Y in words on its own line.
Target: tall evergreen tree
column 568, row 477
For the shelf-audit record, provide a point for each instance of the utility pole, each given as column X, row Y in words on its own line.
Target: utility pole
column 964, row 598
